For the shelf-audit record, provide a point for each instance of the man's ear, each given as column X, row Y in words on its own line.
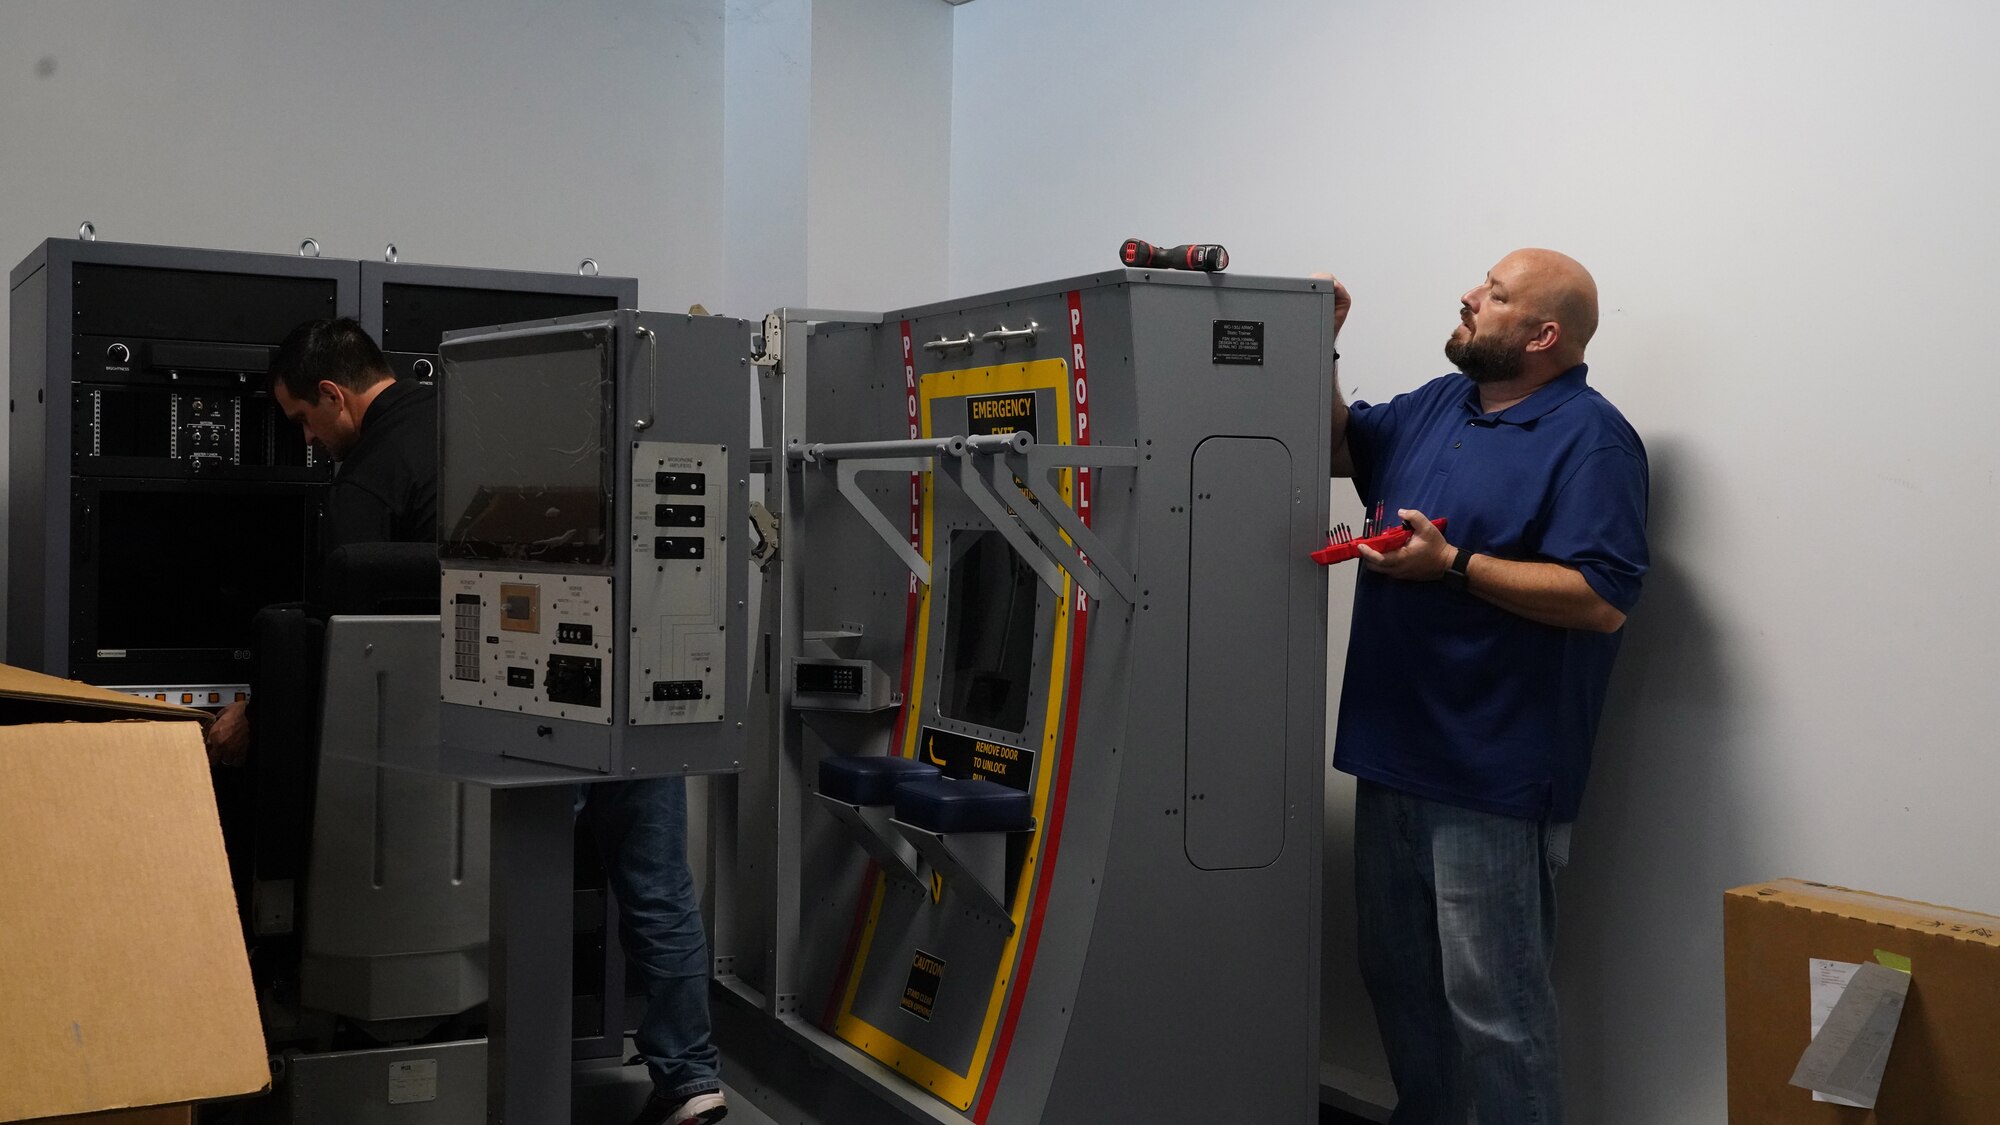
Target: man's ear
column 1546, row 338
column 327, row 388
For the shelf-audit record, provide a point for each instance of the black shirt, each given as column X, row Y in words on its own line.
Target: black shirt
column 385, row 489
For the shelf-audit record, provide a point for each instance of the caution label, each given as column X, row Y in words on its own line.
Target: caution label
column 920, row 993
column 1000, row 414
column 962, row 756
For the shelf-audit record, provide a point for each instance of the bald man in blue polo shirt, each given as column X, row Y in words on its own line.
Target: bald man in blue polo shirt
column 1476, row 671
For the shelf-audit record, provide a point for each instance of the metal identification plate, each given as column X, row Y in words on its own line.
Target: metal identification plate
column 1239, row 341
column 413, row 1081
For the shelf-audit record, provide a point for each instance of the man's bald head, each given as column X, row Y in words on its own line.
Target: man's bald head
column 1554, row 286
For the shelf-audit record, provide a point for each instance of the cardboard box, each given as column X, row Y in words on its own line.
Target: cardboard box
column 155, row 1115
column 123, row 977
column 1944, row 1067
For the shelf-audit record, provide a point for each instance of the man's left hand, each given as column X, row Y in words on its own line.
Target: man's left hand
column 228, row 737
column 1423, row 559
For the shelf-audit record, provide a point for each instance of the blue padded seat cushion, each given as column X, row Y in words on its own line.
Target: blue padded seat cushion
column 869, row 780
column 943, row 805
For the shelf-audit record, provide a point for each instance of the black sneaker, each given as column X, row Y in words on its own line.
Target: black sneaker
column 701, row 1109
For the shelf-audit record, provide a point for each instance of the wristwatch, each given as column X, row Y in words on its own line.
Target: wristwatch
column 1454, row 575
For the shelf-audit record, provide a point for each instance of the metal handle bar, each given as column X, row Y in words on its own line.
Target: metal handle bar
column 999, row 444
column 851, row 450
column 652, row 377
column 1003, row 334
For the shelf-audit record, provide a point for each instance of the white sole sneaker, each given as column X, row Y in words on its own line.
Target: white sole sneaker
column 700, row 1110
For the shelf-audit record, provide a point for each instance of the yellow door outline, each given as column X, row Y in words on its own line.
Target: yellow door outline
column 959, row 1089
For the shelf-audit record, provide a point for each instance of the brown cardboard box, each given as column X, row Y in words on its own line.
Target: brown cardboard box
column 1944, row 1068
column 123, row 978
column 154, row 1115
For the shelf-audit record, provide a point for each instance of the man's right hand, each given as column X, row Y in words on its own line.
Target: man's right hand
column 1342, row 301
column 228, row 736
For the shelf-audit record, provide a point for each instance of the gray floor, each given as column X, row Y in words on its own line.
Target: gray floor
column 740, row 1110
column 612, row 1095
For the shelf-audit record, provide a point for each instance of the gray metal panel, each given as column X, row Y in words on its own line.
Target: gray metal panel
column 433, row 1084
column 794, row 1072
column 396, row 907
column 1109, row 278
column 374, row 275
column 698, row 390
column 70, row 250
column 31, row 605
column 534, row 831
column 559, row 750
column 1143, row 961
column 967, row 941
column 1239, row 615
column 681, row 379
column 1234, row 932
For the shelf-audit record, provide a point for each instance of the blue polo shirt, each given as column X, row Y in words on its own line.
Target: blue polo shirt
column 1447, row 696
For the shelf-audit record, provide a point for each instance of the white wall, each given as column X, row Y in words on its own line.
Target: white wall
column 503, row 133
column 1787, row 206
column 838, row 152
column 767, row 75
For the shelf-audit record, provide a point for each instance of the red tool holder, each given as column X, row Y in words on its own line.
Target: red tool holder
column 1390, row 540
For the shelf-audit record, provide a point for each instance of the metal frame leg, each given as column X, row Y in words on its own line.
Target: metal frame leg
column 528, row 1056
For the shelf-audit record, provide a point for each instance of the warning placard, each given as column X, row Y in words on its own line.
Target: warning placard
column 920, row 993
column 1000, row 414
column 963, row 756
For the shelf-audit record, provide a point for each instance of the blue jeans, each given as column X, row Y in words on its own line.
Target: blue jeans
column 641, row 831
column 1457, row 913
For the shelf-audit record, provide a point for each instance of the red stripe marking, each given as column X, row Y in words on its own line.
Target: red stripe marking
column 832, row 1010
column 1058, row 800
column 830, row 1015
column 916, row 540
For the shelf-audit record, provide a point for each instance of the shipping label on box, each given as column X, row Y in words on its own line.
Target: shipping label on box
column 1944, row 1066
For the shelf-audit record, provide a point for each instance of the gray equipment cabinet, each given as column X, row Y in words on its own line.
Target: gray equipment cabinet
column 593, row 492
column 139, row 416
column 139, row 419
column 1050, row 545
column 593, row 497
column 410, row 306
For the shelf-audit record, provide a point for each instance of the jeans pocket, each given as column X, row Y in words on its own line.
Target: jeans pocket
column 1556, row 844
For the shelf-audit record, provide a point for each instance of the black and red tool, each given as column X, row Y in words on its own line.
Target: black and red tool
column 1342, row 545
column 1205, row 256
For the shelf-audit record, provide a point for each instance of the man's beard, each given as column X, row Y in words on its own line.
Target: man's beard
column 1486, row 358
